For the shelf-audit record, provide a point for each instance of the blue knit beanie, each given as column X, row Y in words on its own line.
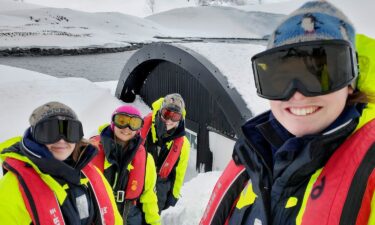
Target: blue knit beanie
column 315, row 20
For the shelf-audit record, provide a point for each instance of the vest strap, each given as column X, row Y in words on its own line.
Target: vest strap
column 40, row 201
column 225, row 195
column 136, row 177
column 172, row 158
column 337, row 193
column 105, row 205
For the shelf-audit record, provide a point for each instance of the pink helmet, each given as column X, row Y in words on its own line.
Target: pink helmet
column 128, row 109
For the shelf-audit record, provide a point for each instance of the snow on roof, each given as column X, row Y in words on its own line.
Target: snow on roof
column 234, row 62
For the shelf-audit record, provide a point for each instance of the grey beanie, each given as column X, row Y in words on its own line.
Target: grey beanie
column 51, row 109
column 315, row 20
column 175, row 102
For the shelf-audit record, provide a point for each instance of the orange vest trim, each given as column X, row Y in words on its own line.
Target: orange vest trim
column 42, row 210
column 173, row 154
column 225, row 195
column 106, row 208
column 136, row 178
column 331, row 189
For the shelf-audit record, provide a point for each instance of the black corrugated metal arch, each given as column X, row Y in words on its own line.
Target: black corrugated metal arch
column 159, row 69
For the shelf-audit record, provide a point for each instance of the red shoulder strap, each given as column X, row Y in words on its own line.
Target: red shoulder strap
column 136, row 178
column 147, row 121
column 98, row 160
column 331, row 188
column 172, row 158
column 40, row 201
column 225, row 195
column 101, row 195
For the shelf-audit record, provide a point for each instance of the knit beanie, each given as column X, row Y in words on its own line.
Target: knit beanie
column 174, row 102
column 315, row 20
column 127, row 109
column 49, row 110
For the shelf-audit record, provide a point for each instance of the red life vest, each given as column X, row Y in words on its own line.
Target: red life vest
column 225, row 195
column 136, row 178
column 173, row 154
column 41, row 202
column 334, row 195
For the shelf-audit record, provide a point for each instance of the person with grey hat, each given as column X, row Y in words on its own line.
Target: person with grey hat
column 164, row 135
column 48, row 176
column 310, row 159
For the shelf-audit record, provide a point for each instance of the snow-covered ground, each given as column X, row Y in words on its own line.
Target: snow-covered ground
column 28, row 25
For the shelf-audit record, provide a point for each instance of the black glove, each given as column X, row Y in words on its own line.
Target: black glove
column 171, row 201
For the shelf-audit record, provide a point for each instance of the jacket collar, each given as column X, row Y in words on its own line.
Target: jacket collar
column 263, row 133
column 276, row 135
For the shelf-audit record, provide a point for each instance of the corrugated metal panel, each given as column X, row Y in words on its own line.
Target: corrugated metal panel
column 169, row 78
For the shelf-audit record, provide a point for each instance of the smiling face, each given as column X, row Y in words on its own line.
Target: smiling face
column 125, row 134
column 61, row 150
column 302, row 115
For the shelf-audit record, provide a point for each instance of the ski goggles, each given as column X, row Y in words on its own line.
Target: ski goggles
column 312, row 68
column 168, row 114
column 123, row 120
column 52, row 130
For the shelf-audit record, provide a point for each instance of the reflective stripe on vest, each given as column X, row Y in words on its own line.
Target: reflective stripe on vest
column 349, row 167
column 136, row 177
column 173, row 154
column 225, row 195
column 41, row 202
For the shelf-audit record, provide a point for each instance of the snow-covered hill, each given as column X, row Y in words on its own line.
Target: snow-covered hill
column 31, row 26
column 53, row 27
column 225, row 22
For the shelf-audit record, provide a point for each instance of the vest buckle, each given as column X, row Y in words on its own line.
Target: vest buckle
column 120, row 196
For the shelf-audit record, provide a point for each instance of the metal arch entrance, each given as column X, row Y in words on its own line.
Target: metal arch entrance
column 159, row 69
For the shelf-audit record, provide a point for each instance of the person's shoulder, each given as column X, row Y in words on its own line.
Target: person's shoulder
column 186, row 140
column 9, row 186
column 10, row 142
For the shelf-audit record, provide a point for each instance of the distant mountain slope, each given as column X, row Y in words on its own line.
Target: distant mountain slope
column 222, row 22
column 52, row 27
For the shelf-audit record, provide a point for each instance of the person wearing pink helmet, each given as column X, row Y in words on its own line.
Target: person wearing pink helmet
column 128, row 167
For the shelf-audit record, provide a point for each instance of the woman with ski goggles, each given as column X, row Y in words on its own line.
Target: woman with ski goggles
column 127, row 166
column 311, row 156
column 164, row 134
column 51, row 160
